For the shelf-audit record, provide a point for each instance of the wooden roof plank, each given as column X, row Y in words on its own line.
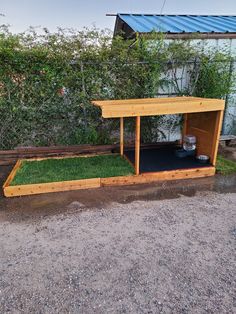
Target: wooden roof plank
column 137, row 101
column 157, row 106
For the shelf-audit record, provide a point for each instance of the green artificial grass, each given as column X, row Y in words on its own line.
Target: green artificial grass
column 66, row 169
column 225, row 166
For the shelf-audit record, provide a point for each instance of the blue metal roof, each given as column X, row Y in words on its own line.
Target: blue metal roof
column 145, row 23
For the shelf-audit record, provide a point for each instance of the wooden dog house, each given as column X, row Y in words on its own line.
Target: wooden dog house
column 202, row 118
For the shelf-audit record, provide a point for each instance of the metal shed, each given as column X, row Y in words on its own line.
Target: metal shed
column 206, row 31
column 177, row 26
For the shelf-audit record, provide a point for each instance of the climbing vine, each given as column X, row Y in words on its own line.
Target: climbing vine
column 47, row 82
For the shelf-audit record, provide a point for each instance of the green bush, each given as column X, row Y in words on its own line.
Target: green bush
column 48, row 81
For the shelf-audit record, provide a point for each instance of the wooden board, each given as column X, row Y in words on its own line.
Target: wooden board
column 157, row 106
column 121, row 136
column 10, row 157
column 159, row 176
column 136, row 101
column 29, row 189
column 70, row 156
column 216, row 137
column 206, row 127
column 137, row 145
column 12, row 174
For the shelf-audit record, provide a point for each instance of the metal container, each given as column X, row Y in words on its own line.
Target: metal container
column 203, row 159
column 189, row 142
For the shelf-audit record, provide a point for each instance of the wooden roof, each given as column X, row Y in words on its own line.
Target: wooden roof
column 157, row 106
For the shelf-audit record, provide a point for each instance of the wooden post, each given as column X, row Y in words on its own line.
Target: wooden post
column 122, row 136
column 184, row 131
column 137, row 145
column 216, row 137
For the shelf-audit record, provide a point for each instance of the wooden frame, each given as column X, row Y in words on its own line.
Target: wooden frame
column 41, row 188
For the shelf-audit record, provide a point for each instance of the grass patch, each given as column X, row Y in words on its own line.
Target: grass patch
column 66, row 169
column 225, row 166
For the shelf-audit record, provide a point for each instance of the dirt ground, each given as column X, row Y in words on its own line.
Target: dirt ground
column 157, row 248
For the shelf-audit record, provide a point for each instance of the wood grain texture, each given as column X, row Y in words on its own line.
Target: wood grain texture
column 184, row 130
column 206, row 127
column 137, row 146
column 216, row 137
column 122, row 136
column 159, row 176
column 137, row 101
column 30, row 189
column 70, row 156
column 157, row 106
column 41, row 188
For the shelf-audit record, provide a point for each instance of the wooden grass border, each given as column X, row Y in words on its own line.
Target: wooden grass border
column 148, row 177
column 41, row 188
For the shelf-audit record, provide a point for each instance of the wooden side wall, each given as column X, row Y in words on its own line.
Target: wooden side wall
column 206, row 127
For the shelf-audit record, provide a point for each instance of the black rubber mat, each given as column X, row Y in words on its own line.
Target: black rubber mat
column 163, row 158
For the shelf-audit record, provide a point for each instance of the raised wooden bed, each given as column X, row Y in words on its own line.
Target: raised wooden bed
column 41, row 188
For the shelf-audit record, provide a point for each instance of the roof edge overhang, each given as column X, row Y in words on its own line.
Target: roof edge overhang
column 184, row 36
column 157, row 106
column 195, row 35
column 167, row 35
column 151, row 14
column 128, row 33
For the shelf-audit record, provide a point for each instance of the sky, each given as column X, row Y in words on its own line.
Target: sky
column 20, row 14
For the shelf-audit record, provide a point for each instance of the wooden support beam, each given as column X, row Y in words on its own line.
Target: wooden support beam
column 122, row 136
column 216, row 137
column 184, row 130
column 137, row 145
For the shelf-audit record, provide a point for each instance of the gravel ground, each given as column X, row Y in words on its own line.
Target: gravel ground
column 159, row 256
